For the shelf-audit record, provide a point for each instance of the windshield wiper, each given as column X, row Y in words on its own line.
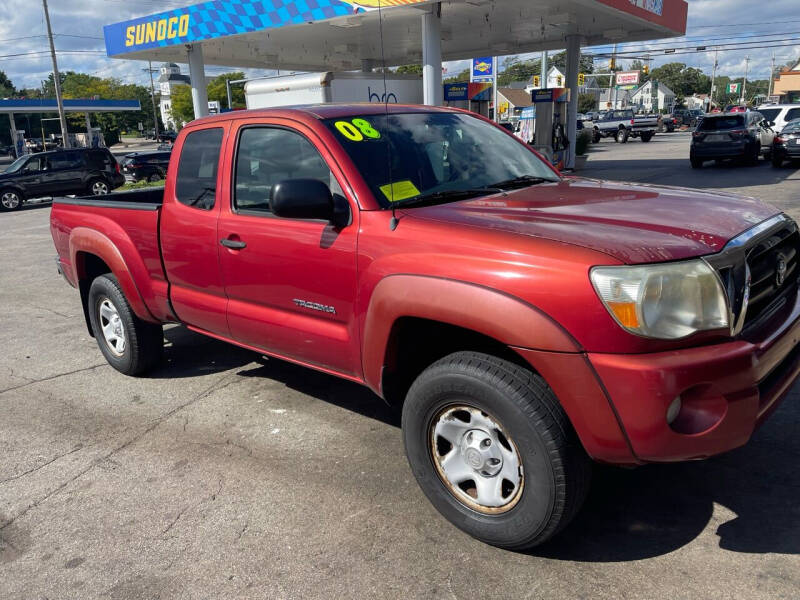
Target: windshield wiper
column 446, row 196
column 522, row 181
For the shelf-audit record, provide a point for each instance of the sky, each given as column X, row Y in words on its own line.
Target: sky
column 78, row 25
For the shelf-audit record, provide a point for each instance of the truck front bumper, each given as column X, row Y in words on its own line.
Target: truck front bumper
column 719, row 393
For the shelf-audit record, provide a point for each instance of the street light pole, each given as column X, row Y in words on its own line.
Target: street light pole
column 153, row 97
column 744, row 82
column 56, row 78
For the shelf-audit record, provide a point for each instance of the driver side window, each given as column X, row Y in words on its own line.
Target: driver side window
column 268, row 155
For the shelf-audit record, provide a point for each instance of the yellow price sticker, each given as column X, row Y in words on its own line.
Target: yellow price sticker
column 399, row 190
column 357, row 130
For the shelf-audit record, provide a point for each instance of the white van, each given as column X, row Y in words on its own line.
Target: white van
column 780, row 114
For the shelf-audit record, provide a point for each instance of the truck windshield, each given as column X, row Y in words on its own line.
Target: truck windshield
column 446, row 155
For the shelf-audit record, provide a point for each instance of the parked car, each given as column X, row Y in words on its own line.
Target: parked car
column 687, row 116
column 145, row 166
column 623, row 124
column 786, row 145
column 526, row 322
column 667, row 123
column 735, row 108
column 59, row 172
column 731, row 135
column 780, row 114
column 167, row 136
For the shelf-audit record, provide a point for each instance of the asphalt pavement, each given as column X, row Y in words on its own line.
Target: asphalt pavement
column 227, row 475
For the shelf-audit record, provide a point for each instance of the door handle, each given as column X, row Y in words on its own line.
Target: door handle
column 233, row 244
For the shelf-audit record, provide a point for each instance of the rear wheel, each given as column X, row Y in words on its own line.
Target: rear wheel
column 98, row 187
column 647, row 136
column 622, row 136
column 493, row 450
column 10, row 200
column 754, row 154
column 777, row 161
column 696, row 162
column 154, row 177
column 130, row 345
column 596, row 136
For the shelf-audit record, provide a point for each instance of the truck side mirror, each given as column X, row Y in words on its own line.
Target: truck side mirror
column 304, row 199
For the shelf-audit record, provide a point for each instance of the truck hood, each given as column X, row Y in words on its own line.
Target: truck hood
column 634, row 223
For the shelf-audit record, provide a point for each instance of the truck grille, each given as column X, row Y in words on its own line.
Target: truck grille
column 759, row 270
column 773, row 269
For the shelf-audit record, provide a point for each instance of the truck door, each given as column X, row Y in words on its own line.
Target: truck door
column 291, row 283
column 189, row 241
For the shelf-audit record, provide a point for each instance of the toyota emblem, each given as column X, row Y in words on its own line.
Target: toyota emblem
column 780, row 271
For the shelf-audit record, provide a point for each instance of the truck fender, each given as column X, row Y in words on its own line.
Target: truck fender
column 487, row 311
column 90, row 241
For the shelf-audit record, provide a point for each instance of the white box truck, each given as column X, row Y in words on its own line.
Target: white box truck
column 318, row 88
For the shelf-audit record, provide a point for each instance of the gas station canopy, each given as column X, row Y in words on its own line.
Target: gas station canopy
column 324, row 35
column 48, row 105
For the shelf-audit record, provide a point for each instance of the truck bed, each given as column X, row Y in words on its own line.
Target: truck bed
column 144, row 199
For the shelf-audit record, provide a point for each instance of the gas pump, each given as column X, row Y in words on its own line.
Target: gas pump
column 550, row 137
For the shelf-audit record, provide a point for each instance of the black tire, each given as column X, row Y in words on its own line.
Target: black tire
column 98, row 187
column 596, row 136
column 143, row 341
column 647, row 136
column 621, row 136
column 754, row 154
column 777, row 161
column 696, row 163
column 10, row 200
column 555, row 469
column 154, row 177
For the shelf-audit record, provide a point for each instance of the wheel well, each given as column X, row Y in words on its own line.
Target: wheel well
column 89, row 267
column 12, row 188
column 414, row 344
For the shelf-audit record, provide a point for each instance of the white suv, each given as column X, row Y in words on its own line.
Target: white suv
column 780, row 114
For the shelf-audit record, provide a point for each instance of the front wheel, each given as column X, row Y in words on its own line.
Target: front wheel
column 622, row 136
column 130, row 345
column 596, row 136
column 10, row 200
column 493, row 450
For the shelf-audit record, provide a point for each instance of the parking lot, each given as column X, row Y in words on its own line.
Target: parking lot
column 226, row 474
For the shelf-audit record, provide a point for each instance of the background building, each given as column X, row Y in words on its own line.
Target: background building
column 643, row 97
column 169, row 78
column 787, row 85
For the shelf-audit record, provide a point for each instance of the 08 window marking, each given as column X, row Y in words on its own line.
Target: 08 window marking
column 357, row 129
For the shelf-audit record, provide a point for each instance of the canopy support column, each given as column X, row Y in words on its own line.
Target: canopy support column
column 88, row 129
column 13, row 134
column 573, row 65
column 197, row 76
column 432, row 92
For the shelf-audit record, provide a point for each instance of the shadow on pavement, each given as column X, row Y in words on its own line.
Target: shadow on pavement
column 629, row 514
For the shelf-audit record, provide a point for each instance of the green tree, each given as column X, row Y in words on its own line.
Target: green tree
column 559, row 60
column 519, row 71
column 586, row 103
column 682, row 80
column 181, row 109
column 460, row 77
column 6, row 87
column 218, row 91
column 409, row 70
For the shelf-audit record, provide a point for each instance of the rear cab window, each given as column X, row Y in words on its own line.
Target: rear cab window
column 196, row 183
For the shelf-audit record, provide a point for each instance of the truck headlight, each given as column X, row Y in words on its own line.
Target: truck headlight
column 665, row 301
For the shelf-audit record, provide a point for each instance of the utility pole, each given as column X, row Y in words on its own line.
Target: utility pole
column 744, row 83
column 713, row 77
column 771, row 76
column 613, row 76
column 153, row 96
column 56, row 78
column 543, row 70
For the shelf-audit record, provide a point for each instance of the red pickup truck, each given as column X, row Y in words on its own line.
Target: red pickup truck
column 527, row 322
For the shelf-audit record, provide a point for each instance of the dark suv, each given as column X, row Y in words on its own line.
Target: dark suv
column 148, row 166
column 58, row 173
column 731, row 135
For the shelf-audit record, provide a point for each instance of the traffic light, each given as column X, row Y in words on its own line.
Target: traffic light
column 646, row 69
column 613, row 64
column 536, row 81
column 581, row 79
column 559, row 81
